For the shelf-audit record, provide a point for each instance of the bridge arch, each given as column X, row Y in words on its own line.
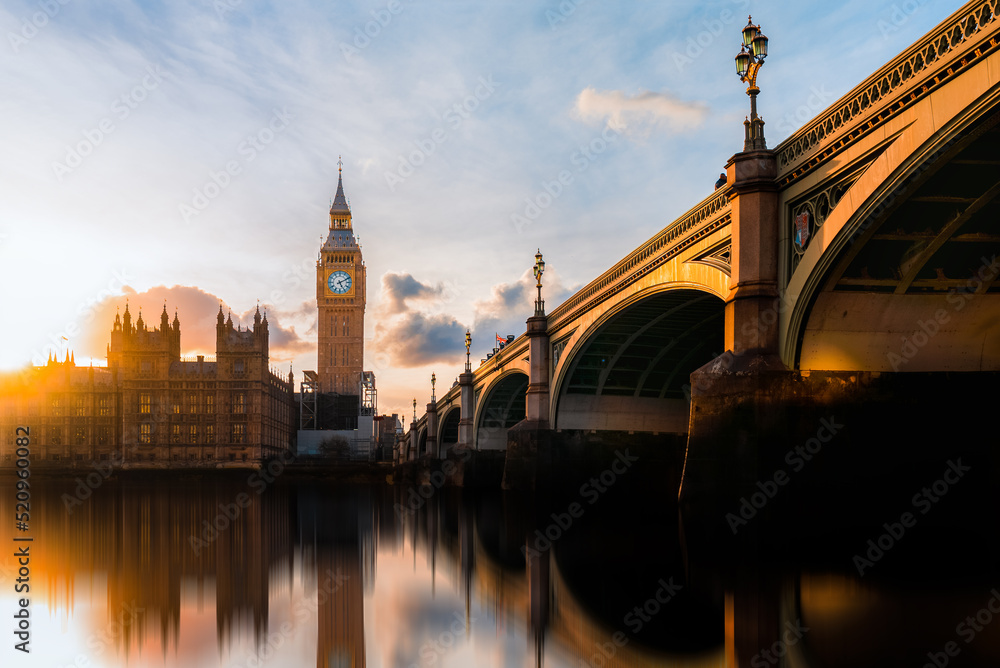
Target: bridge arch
column 629, row 369
column 908, row 281
column 422, row 440
column 448, row 429
column 502, row 406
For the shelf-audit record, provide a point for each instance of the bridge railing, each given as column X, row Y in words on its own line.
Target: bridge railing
column 928, row 52
column 638, row 263
column 657, row 250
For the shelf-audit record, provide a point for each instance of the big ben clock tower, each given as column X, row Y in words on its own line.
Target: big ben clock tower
column 340, row 299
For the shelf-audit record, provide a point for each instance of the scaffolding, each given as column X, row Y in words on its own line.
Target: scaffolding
column 368, row 394
column 308, row 406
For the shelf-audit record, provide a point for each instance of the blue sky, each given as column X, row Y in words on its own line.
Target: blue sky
column 195, row 144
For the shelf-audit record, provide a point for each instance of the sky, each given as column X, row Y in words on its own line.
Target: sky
column 187, row 152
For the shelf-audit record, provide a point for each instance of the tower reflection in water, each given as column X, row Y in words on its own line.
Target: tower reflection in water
column 310, row 573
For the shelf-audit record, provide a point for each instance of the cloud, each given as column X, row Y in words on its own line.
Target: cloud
column 506, row 309
column 416, row 339
column 510, row 305
column 197, row 311
column 639, row 114
column 397, row 289
column 409, row 332
column 408, row 337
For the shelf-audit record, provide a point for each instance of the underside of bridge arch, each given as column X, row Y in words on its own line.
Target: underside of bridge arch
column 632, row 373
column 918, row 289
column 503, row 407
column 421, row 441
column 449, row 430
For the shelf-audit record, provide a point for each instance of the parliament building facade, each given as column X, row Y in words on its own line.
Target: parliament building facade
column 149, row 408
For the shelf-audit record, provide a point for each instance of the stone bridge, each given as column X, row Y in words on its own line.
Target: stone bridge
column 865, row 244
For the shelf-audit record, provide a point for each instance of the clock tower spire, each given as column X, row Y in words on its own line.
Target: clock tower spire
column 340, row 301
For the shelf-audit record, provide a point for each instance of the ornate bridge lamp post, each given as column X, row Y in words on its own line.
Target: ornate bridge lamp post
column 748, row 62
column 468, row 346
column 466, row 381
column 432, row 424
column 751, row 306
column 538, row 270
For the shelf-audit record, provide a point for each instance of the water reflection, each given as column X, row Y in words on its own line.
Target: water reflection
column 211, row 571
column 134, row 573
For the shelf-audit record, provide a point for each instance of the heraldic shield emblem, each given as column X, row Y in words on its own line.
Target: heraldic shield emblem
column 802, row 229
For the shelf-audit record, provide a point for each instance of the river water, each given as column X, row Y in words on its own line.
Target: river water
column 233, row 571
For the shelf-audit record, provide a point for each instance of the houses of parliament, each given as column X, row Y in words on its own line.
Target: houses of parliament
column 151, row 408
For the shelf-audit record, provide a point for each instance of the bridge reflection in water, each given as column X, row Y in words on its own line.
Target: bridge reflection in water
column 351, row 576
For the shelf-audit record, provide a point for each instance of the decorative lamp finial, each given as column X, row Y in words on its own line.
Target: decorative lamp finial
column 538, row 270
column 748, row 63
column 468, row 346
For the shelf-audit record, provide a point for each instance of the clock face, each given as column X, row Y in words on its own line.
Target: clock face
column 339, row 282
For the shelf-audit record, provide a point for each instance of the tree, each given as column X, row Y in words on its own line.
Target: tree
column 336, row 447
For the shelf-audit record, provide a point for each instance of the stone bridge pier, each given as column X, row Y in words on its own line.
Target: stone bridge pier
column 529, row 441
column 752, row 303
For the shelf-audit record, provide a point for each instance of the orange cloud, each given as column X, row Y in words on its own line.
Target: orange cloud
column 196, row 310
